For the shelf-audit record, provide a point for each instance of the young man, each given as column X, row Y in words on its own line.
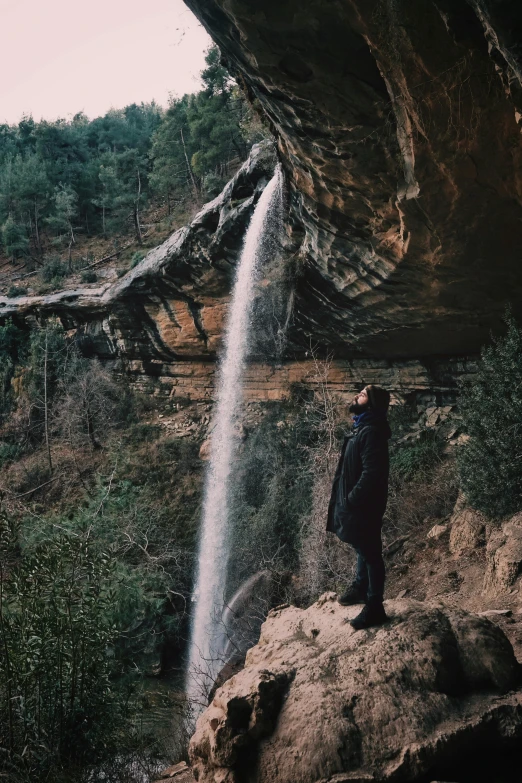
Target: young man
column 358, row 502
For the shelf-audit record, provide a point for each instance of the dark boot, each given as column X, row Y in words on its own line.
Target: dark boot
column 354, row 594
column 372, row 614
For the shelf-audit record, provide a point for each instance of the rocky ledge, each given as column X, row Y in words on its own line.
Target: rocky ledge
column 432, row 693
column 173, row 303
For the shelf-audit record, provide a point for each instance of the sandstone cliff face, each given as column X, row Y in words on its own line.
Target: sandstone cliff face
column 399, row 127
column 317, row 702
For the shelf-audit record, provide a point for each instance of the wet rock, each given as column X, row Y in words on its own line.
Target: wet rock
column 504, row 557
column 204, row 450
column 320, row 702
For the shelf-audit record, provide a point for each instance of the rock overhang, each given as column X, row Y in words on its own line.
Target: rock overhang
column 397, row 124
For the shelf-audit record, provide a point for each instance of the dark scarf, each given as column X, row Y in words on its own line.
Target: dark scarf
column 368, row 417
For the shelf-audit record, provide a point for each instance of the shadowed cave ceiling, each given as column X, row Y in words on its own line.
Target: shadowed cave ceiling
column 398, row 125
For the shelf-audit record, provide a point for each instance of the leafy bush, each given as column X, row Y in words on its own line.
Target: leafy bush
column 58, row 622
column 490, row 461
column 89, row 276
column 15, row 290
column 416, row 458
column 137, row 256
column 271, row 493
column 13, row 348
column 8, row 453
column 53, row 270
column 423, row 483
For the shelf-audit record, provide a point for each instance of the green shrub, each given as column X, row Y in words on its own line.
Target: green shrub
column 416, row 458
column 53, row 271
column 8, row 453
column 89, row 276
column 57, row 623
column 137, row 256
column 15, row 290
column 13, row 348
column 490, row 462
column 271, row 493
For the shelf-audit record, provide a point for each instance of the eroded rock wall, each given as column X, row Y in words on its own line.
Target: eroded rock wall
column 398, row 124
column 426, row 382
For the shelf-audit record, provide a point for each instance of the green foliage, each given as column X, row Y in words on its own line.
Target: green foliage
column 53, row 270
column 416, row 458
column 202, row 136
column 46, row 360
column 14, row 237
column 90, row 601
column 15, row 290
column 13, row 348
column 8, row 453
column 59, row 620
column 491, row 405
column 137, row 256
column 95, row 177
column 89, row 276
column 272, row 493
column 65, row 211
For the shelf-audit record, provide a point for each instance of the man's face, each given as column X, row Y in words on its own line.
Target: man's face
column 360, row 402
column 361, row 398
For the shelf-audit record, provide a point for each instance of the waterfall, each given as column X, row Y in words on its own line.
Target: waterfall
column 208, row 637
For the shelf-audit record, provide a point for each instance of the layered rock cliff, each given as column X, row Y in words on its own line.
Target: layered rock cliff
column 399, row 127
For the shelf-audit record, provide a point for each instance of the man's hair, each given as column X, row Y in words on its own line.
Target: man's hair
column 378, row 398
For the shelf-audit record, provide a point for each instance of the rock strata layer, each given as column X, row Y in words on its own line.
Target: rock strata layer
column 398, row 124
column 172, row 305
column 319, row 702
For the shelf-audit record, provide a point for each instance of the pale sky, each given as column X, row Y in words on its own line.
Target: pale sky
column 59, row 57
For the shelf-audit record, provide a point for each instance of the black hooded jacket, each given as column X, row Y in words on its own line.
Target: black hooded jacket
column 360, row 487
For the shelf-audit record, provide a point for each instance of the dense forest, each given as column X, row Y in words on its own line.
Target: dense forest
column 68, row 178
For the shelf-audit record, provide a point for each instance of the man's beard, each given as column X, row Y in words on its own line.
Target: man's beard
column 356, row 408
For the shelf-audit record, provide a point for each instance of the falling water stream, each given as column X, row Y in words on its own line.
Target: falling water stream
column 209, row 637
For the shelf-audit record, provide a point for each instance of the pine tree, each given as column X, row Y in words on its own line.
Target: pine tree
column 14, row 238
column 65, row 213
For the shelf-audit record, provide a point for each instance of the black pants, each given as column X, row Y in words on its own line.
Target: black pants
column 370, row 574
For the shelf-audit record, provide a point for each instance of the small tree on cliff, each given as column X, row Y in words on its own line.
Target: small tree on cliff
column 490, row 462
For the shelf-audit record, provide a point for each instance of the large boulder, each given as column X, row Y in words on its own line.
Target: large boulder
column 319, row 702
column 504, row 557
column 468, row 528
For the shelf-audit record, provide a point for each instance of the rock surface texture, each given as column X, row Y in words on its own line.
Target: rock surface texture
column 399, row 128
column 318, row 702
column 504, row 557
column 398, row 124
